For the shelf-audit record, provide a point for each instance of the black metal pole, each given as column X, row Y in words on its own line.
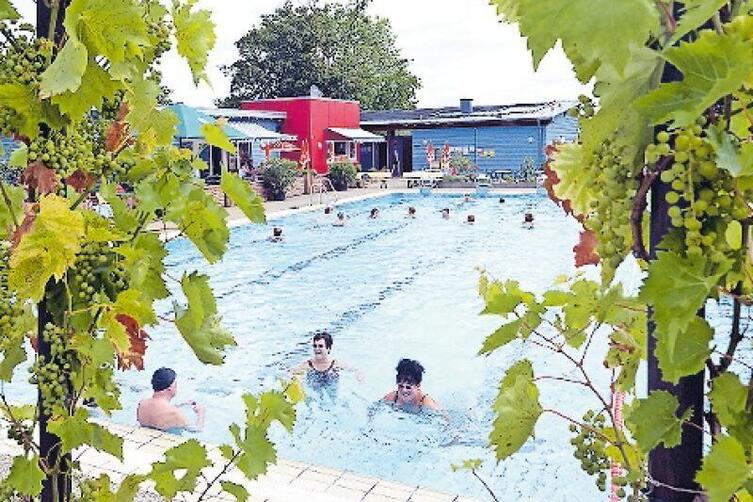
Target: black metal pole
column 677, row 466
column 49, row 444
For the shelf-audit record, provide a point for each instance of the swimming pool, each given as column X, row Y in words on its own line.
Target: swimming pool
column 385, row 289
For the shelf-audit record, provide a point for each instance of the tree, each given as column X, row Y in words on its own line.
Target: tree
column 78, row 289
column 673, row 86
column 339, row 48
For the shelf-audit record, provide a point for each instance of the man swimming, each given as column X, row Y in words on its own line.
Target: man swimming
column 340, row 221
column 157, row 412
column 322, row 368
column 446, row 213
column 409, row 394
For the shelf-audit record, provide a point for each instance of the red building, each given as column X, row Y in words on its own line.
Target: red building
column 329, row 127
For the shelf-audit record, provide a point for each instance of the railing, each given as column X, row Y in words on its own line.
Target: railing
column 322, row 185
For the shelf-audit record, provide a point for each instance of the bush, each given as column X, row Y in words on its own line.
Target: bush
column 342, row 172
column 276, row 176
column 460, row 164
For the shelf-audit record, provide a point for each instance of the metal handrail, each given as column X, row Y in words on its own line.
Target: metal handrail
column 322, row 189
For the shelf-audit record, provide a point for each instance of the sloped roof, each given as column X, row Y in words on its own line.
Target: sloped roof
column 480, row 114
column 190, row 120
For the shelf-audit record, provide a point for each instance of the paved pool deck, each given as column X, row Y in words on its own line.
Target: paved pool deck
column 286, row 481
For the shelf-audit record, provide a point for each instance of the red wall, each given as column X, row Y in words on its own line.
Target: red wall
column 309, row 118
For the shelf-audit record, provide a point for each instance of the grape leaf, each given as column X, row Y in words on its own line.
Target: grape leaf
column 199, row 323
column 7, row 11
column 47, row 250
column 25, row 475
column 588, row 40
column 96, row 85
column 713, row 65
column 694, row 13
column 202, row 221
column 143, row 259
column 236, row 490
column 134, row 356
column 256, row 451
column 676, row 287
column 215, row 136
column 108, row 27
column 275, row 406
column 194, row 33
column 569, row 165
column 652, row 421
column 131, row 303
column 189, row 458
column 683, row 354
column 16, row 196
column 738, row 162
column 243, row 196
column 65, row 73
column 516, row 410
column 585, row 249
column 23, row 101
column 625, row 352
column 80, row 180
column 502, row 298
column 728, row 397
column 20, row 157
column 39, row 178
column 501, row 337
column 12, row 357
column 725, row 469
column 76, row 430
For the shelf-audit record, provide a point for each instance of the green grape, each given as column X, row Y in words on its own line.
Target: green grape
column 672, row 197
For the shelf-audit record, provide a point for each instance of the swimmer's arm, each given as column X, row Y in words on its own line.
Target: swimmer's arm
column 352, row 369
column 435, row 406
column 299, row 370
column 389, row 397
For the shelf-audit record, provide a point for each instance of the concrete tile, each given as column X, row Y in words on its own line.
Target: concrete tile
column 166, row 441
column 310, row 485
column 285, row 470
column 373, row 497
column 427, row 495
column 326, row 470
column 318, row 477
column 362, row 483
column 345, row 493
column 399, row 492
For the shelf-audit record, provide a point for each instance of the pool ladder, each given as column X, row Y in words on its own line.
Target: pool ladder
column 323, row 186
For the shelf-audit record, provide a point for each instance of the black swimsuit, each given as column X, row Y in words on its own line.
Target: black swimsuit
column 322, row 377
column 420, row 403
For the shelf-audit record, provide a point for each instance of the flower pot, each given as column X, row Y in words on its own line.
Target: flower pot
column 275, row 194
column 340, row 185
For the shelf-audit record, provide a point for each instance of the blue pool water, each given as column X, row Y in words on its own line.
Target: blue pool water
column 385, row 289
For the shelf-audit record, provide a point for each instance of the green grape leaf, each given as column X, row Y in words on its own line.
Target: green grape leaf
column 195, row 37
column 66, row 72
column 516, row 410
column 652, row 421
column 694, row 13
column 256, row 452
column 587, row 39
column 25, row 475
column 112, row 28
column 124, row 218
column 12, row 357
column 199, row 323
column 202, row 221
column 161, row 127
column 215, row 136
column 47, row 250
column 115, row 332
column 294, row 391
column 737, row 162
column 129, row 487
column 76, row 430
column 470, row 464
column 7, row 11
column 626, row 349
column 503, row 298
column 725, row 469
column 142, row 100
column 677, row 287
column 713, row 65
column 684, row 353
column 16, row 196
column 243, row 196
column 275, row 406
column 131, row 302
column 571, row 167
column 734, row 235
column 96, row 85
column 190, row 458
column 22, row 99
column 22, row 413
column 144, row 260
column 19, row 158
column 728, row 397
column 501, row 337
column 236, row 490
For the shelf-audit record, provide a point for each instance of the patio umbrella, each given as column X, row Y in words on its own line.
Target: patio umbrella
column 278, row 146
column 429, row 154
column 305, row 157
column 444, row 160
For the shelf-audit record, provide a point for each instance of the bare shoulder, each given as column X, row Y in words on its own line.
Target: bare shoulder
column 390, row 396
column 430, row 403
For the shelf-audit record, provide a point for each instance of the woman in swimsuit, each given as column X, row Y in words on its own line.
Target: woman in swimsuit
column 409, row 393
column 322, row 368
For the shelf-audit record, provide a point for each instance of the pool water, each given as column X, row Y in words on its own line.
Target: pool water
column 385, row 289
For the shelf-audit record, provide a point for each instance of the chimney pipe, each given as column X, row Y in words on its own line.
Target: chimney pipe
column 466, row 105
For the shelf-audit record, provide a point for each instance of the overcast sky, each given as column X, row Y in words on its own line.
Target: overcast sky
column 458, row 48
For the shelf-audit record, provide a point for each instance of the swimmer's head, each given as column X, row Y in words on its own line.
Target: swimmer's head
column 471, row 219
column 322, row 343
column 411, row 210
column 327, row 210
column 408, row 379
column 374, row 212
column 501, row 200
column 277, row 232
column 528, row 218
column 340, row 216
column 163, row 379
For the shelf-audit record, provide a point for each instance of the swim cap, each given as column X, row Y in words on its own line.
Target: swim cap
column 162, row 379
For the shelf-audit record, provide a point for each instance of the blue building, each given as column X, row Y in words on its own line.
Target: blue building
column 493, row 138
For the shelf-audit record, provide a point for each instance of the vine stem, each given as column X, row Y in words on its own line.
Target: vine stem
column 54, row 9
column 579, row 424
column 28, row 442
column 640, row 203
column 8, row 204
column 491, row 493
column 654, row 482
column 223, row 471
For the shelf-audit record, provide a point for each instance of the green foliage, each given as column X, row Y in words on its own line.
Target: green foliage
column 342, row 172
column 686, row 353
column 276, row 176
column 724, row 470
column 652, row 421
column 194, row 33
column 341, row 49
column 728, row 397
column 215, row 136
column 190, row 458
column 243, row 196
column 516, row 409
column 25, row 476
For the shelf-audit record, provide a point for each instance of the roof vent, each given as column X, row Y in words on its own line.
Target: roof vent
column 466, row 105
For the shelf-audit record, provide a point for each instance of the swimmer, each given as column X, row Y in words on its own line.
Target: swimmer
column 276, row 235
column 409, row 393
column 471, row 219
column 340, row 221
column 467, row 197
column 528, row 220
column 374, row 214
column 158, row 413
column 328, row 210
column 322, row 367
column 446, row 213
column 411, row 212
column 501, row 200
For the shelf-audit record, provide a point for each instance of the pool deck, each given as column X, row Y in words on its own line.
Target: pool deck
column 286, row 481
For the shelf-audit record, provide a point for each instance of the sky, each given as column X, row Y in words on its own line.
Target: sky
column 458, row 48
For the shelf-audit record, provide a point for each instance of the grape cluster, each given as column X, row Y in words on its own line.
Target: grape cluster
column 609, row 219
column 9, row 494
column 96, row 268
column 17, row 432
column 10, row 309
column 590, row 448
column 159, row 32
column 64, row 153
column 584, row 109
column 23, row 60
column 703, row 198
column 50, row 373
